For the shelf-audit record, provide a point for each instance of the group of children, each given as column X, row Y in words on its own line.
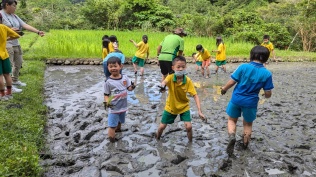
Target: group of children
column 249, row 79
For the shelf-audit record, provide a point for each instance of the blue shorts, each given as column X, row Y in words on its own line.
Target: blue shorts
column 234, row 111
column 115, row 118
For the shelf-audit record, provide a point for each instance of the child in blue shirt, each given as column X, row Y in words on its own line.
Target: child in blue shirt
column 249, row 78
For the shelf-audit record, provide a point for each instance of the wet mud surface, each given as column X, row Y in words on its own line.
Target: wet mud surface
column 283, row 142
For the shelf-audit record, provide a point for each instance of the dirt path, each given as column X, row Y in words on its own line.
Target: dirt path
column 283, row 141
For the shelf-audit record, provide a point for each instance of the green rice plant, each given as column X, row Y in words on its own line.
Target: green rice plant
column 87, row 44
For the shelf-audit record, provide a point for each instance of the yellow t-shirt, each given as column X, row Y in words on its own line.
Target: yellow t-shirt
column 221, row 54
column 269, row 46
column 205, row 55
column 111, row 47
column 5, row 32
column 199, row 58
column 104, row 53
column 177, row 101
column 142, row 50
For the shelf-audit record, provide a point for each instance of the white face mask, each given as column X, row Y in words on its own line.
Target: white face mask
column 180, row 73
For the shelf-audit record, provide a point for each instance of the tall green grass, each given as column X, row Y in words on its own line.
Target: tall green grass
column 88, row 44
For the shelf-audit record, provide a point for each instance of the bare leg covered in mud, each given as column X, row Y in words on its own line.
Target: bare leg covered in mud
column 112, row 130
column 161, row 128
column 231, row 126
column 187, row 125
column 247, row 133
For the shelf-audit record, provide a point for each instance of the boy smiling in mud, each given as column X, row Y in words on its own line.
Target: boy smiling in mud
column 115, row 96
column 177, row 102
column 250, row 78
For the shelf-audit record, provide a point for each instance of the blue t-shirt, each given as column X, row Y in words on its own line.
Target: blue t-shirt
column 251, row 78
column 115, row 54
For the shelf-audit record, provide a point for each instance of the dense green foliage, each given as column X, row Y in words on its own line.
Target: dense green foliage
column 291, row 24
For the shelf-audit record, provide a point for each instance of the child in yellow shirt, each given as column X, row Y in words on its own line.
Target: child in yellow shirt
column 177, row 103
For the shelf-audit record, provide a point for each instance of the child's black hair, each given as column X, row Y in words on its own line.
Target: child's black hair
column 199, row 47
column 259, row 53
column 266, row 37
column 105, row 42
column 113, row 38
column 145, row 39
column 219, row 40
column 113, row 60
column 179, row 58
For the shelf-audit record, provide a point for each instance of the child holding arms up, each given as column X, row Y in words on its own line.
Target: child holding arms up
column 141, row 54
column 5, row 67
column 115, row 96
column 206, row 59
column 220, row 60
column 177, row 102
column 250, row 78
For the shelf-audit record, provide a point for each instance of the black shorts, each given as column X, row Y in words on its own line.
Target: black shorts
column 165, row 67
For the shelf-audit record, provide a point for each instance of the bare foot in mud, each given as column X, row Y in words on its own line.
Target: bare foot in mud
column 112, row 139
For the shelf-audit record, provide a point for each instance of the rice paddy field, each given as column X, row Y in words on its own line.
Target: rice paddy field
column 88, row 44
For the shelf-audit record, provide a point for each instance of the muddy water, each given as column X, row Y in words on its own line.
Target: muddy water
column 283, row 141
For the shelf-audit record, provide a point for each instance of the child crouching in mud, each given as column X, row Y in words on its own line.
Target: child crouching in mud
column 115, row 96
column 177, row 102
column 250, row 78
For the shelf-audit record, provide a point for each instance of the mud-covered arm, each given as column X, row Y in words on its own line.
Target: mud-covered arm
column 198, row 105
column 228, row 85
column 267, row 93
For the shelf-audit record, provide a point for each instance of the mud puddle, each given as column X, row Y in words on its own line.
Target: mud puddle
column 283, row 141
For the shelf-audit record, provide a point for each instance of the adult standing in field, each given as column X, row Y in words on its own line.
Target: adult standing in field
column 117, row 53
column 169, row 48
column 220, row 59
column 5, row 68
column 10, row 19
column 141, row 54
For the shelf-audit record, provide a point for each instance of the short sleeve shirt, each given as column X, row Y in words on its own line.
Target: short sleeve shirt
column 117, row 90
column 251, row 78
column 142, row 50
column 221, row 54
column 12, row 20
column 5, row 32
column 205, row 54
column 170, row 47
column 269, row 46
column 178, row 101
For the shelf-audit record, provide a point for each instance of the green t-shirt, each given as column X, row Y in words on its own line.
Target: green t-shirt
column 170, row 47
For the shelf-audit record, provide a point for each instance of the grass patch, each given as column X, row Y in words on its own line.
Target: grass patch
column 22, row 125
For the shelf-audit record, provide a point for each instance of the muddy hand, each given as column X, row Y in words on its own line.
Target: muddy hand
column 162, row 89
column 133, row 85
column 223, row 92
column 106, row 105
column 202, row 117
